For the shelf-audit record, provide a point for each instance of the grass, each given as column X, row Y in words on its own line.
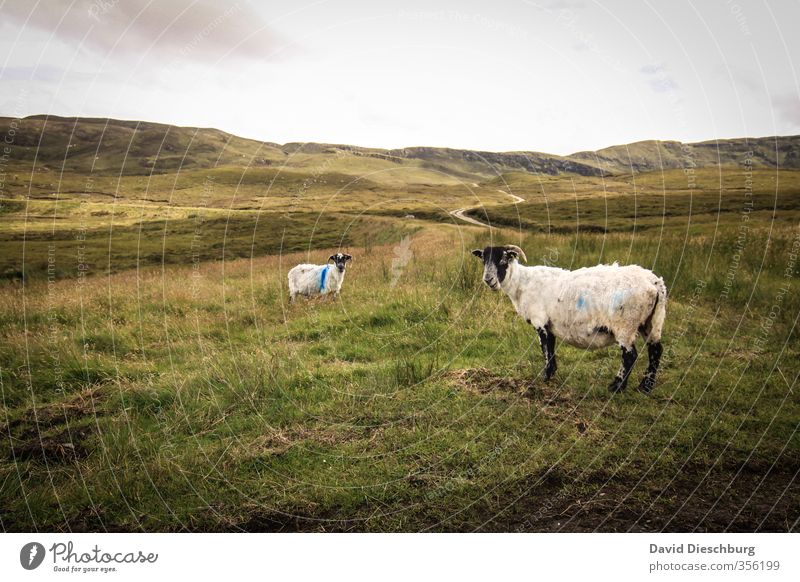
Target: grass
column 658, row 201
column 190, row 395
column 71, row 240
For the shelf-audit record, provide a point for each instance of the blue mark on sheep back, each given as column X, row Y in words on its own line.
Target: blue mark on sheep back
column 323, row 278
column 616, row 299
column 581, row 302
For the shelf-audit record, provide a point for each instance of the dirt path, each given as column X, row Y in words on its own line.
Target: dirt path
column 516, row 198
column 459, row 212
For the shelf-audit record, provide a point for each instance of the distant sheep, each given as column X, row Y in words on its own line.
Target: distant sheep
column 592, row 307
column 310, row 280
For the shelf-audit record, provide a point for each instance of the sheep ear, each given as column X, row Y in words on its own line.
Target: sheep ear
column 511, row 254
column 348, row 257
column 478, row 253
column 332, row 258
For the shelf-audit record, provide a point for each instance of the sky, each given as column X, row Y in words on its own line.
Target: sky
column 555, row 76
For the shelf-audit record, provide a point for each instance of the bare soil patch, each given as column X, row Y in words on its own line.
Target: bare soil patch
column 55, row 432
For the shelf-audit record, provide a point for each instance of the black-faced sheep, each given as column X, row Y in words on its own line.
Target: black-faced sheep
column 310, row 280
column 588, row 308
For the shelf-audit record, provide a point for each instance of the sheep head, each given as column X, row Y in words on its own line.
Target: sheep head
column 496, row 261
column 340, row 260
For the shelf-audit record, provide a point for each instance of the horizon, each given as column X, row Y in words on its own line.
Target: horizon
column 556, row 76
column 444, row 147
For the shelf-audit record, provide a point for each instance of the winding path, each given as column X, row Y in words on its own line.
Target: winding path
column 459, row 212
column 516, row 198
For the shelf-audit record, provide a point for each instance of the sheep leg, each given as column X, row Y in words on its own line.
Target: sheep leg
column 548, row 342
column 628, row 359
column 552, row 366
column 654, row 355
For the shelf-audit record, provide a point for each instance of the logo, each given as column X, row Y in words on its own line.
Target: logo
column 31, row 555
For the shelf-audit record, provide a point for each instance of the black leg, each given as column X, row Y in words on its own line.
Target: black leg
column 628, row 359
column 548, row 342
column 654, row 355
column 552, row 366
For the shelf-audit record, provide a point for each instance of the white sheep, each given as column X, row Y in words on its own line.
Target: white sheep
column 592, row 307
column 312, row 280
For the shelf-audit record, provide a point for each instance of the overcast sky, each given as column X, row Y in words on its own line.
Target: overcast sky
column 557, row 76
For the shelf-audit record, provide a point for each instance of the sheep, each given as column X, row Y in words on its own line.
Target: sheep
column 312, row 280
column 592, row 307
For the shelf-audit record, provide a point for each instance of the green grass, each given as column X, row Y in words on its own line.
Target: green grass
column 194, row 397
column 650, row 201
column 111, row 243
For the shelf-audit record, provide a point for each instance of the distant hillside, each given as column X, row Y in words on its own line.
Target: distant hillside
column 140, row 148
column 108, row 146
column 477, row 161
column 646, row 156
column 130, row 147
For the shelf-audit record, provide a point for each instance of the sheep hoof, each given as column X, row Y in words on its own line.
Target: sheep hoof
column 647, row 384
column 618, row 385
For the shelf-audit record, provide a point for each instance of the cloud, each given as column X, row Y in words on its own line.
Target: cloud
column 663, row 84
column 658, row 78
column 748, row 80
column 196, row 30
column 47, row 73
column 564, row 5
column 654, row 69
column 788, row 108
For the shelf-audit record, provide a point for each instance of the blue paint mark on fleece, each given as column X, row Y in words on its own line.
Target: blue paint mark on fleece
column 323, row 278
column 616, row 299
column 581, row 302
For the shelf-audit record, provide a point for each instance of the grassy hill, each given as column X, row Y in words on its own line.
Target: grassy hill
column 109, row 146
column 647, row 156
column 130, row 148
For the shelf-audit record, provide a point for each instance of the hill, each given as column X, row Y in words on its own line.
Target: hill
column 125, row 148
column 645, row 156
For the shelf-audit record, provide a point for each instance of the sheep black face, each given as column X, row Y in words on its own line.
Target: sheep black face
column 340, row 260
column 495, row 263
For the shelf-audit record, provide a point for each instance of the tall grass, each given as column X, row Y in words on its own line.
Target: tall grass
column 199, row 399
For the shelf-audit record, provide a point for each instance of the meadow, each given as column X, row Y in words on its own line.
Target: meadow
column 154, row 377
